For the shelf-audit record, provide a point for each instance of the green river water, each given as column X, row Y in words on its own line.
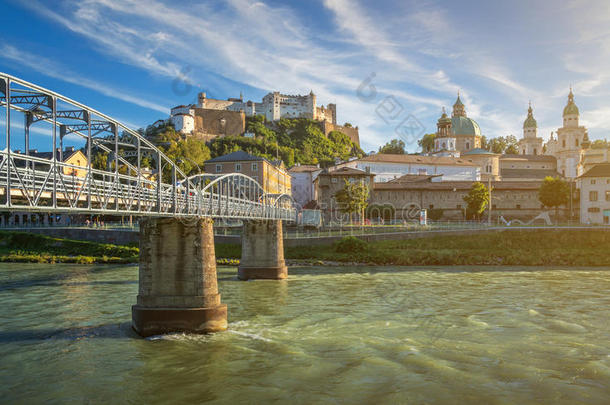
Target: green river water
column 376, row 335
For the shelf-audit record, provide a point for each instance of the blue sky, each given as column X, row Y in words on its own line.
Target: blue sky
column 134, row 59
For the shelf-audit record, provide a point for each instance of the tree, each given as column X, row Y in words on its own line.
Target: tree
column 554, row 192
column 353, row 198
column 395, row 146
column 476, row 200
column 600, row 144
column 426, row 143
column 503, row 144
column 484, row 142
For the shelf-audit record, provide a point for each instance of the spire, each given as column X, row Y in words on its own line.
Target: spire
column 458, row 107
column 530, row 122
column 570, row 108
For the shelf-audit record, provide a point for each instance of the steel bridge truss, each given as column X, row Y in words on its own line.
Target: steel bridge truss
column 123, row 186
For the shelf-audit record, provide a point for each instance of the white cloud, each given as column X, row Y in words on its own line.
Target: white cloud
column 57, row 71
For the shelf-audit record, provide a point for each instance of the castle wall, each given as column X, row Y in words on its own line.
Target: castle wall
column 219, row 122
column 351, row 132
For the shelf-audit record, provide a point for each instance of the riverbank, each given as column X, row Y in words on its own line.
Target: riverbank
column 538, row 247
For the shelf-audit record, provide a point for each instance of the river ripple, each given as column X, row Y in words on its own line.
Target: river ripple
column 344, row 335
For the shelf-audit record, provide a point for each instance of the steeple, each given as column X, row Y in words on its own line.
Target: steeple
column 530, row 122
column 458, row 107
column 570, row 112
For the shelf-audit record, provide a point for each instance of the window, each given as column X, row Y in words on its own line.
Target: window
column 576, row 142
column 254, row 167
column 238, row 167
column 459, row 206
column 333, row 180
column 592, row 195
column 218, row 168
column 494, row 207
column 467, row 145
column 535, row 151
column 431, row 206
column 563, row 143
column 607, row 195
column 592, row 181
column 518, row 206
column 606, row 220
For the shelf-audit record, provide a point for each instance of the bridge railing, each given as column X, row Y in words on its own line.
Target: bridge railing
column 119, row 171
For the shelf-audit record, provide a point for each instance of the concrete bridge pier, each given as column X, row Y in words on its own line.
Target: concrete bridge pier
column 262, row 251
column 178, row 289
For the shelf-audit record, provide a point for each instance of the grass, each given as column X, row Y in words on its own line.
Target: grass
column 515, row 248
column 34, row 248
column 539, row 247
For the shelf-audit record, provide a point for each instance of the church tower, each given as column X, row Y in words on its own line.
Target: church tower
column 458, row 108
column 530, row 144
column 569, row 150
column 444, row 142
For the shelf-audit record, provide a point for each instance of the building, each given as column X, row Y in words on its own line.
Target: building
column 207, row 123
column 328, row 183
column 445, row 200
column 272, row 176
column 387, row 167
column 69, row 156
column 594, row 188
column 570, row 143
column 458, row 133
column 527, row 167
column 303, row 177
column 213, row 117
column 489, row 163
column 530, row 144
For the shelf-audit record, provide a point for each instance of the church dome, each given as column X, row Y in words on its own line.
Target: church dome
column 465, row 126
column 530, row 121
column 570, row 108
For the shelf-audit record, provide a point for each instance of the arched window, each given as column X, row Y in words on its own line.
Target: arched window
column 576, row 141
column 444, row 145
column 524, row 151
column 467, row 145
column 563, row 143
column 535, row 151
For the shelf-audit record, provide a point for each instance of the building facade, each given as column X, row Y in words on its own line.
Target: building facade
column 594, row 188
column 328, row 183
column 387, row 167
column 272, row 176
column 303, row 177
column 531, row 143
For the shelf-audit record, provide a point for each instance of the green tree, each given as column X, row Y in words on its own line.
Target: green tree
column 600, row 144
column 353, row 198
column 476, row 200
column 395, row 146
column 426, row 143
column 503, row 144
column 554, row 192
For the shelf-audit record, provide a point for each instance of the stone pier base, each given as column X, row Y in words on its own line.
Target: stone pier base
column 262, row 251
column 178, row 289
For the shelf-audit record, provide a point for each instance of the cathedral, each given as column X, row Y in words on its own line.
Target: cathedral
column 456, row 134
column 571, row 142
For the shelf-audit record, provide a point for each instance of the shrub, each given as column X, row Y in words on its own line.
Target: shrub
column 350, row 244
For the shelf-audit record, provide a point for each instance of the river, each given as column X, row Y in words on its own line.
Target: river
column 382, row 335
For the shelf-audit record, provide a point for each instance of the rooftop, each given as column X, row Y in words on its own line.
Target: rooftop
column 457, row 185
column 416, row 159
column 304, row 168
column 414, row 178
column 346, row 171
column 600, row 170
column 238, row 156
column 478, row 151
column 530, row 158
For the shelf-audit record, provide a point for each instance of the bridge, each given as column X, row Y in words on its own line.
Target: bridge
column 123, row 173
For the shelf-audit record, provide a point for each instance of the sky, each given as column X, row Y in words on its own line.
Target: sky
column 390, row 66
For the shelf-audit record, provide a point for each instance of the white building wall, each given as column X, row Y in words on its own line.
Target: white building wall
column 303, row 187
column 593, row 212
column 183, row 123
column 389, row 171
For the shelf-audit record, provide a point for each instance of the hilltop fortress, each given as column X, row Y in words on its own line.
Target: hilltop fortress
column 210, row 117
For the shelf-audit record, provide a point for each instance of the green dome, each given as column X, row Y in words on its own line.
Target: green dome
column 465, row 126
column 571, row 108
column 530, row 122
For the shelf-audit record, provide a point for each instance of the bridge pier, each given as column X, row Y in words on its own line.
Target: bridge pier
column 178, row 289
column 262, row 251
